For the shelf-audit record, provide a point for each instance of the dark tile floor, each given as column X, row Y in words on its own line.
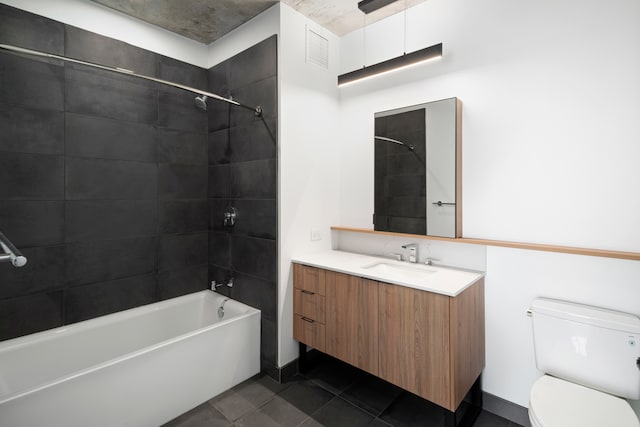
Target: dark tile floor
column 331, row 394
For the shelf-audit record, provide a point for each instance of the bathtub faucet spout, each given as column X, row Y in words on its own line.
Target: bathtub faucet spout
column 215, row 285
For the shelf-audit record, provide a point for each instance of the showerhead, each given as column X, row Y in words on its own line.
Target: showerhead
column 201, row 102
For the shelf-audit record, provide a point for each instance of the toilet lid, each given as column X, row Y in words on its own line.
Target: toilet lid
column 558, row 403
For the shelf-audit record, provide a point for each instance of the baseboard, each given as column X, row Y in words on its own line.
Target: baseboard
column 281, row 374
column 509, row 410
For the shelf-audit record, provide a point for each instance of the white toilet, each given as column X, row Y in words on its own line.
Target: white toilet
column 591, row 360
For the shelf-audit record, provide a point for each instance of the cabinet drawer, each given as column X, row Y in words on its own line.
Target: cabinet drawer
column 308, row 304
column 310, row 279
column 309, row 332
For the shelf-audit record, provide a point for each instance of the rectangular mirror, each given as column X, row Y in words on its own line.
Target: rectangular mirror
column 418, row 169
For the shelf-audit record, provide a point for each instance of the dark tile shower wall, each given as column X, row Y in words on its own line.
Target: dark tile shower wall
column 400, row 181
column 103, row 178
column 243, row 174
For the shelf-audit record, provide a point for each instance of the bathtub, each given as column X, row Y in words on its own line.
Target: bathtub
column 140, row 367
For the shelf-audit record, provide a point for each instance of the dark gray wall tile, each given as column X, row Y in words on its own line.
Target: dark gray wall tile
column 111, row 219
column 177, row 110
column 31, row 130
column 33, row 313
column 253, row 141
column 256, row 218
column 186, row 148
column 92, row 47
column 405, row 163
column 184, row 281
column 217, row 208
column 24, row 29
column 218, row 78
column 256, row 179
column 31, row 83
column 219, row 149
column 110, row 179
column 183, row 216
column 218, row 114
column 97, row 137
column 257, row 293
column 219, row 248
column 254, row 64
column 182, row 73
column 99, row 299
column 182, row 250
column 219, row 180
column 100, row 261
column 410, row 206
column 254, row 257
column 262, row 93
column 106, row 94
column 31, row 176
column 44, row 271
column 268, row 341
column 407, row 225
column 32, row 223
column 182, row 181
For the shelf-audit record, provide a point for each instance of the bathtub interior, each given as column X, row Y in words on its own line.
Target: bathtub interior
column 41, row 358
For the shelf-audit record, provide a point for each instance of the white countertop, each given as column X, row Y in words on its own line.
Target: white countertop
column 431, row 278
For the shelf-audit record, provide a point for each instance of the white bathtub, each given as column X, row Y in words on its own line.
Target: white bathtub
column 140, row 367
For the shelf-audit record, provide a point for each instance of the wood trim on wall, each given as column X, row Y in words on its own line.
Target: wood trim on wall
column 635, row 256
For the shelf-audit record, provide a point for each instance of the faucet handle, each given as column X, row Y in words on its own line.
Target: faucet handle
column 396, row 256
column 429, row 260
column 413, row 251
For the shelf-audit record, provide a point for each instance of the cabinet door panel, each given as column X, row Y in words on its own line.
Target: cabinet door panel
column 352, row 320
column 414, row 341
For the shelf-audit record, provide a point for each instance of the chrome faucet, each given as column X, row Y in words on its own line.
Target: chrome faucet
column 413, row 251
column 215, row 285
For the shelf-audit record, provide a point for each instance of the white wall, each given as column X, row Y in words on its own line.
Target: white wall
column 309, row 161
column 550, row 148
column 110, row 23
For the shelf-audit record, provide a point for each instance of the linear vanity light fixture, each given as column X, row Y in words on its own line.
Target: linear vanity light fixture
column 368, row 6
column 395, row 64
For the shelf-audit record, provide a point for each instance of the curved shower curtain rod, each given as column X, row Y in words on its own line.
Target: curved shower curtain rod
column 256, row 110
column 395, row 141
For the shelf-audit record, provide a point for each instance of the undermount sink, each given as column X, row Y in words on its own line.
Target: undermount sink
column 415, row 272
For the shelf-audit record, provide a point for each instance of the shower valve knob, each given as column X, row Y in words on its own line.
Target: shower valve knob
column 230, row 216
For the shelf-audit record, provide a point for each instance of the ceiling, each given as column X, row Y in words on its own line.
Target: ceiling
column 207, row 20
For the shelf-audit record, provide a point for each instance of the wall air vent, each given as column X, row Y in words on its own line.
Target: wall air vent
column 317, row 49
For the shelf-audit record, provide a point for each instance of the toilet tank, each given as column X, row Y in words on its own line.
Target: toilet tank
column 587, row 345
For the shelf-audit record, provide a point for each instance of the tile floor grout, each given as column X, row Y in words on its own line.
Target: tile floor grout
column 334, row 394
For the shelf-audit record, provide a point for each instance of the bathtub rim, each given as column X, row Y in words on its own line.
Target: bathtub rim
column 112, row 318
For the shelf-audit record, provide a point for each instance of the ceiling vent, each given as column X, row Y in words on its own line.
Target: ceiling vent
column 317, row 49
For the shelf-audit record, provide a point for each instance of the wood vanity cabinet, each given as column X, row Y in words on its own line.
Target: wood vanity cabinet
column 352, row 320
column 427, row 343
column 432, row 344
column 309, row 305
